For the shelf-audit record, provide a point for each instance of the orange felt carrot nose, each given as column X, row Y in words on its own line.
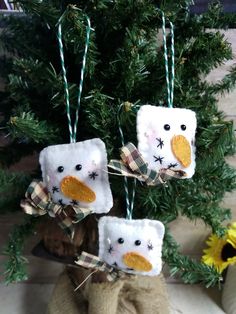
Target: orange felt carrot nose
column 75, row 189
column 136, row 261
column 181, row 149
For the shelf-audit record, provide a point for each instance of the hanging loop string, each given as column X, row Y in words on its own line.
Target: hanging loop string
column 169, row 77
column 66, row 89
column 88, row 30
column 73, row 131
column 172, row 63
column 129, row 202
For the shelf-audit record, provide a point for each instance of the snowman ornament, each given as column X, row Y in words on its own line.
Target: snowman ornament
column 133, row 246
column 166, row 138
column 76, row 174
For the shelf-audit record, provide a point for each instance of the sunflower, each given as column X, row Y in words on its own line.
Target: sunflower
column 222, row 251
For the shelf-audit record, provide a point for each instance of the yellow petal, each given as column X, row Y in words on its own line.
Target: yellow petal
column 231, row 237
column 137, row 262
column 75, row 189
column 213, row 255
column 181, row 150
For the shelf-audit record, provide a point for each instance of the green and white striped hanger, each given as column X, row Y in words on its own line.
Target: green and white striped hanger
column 170, row 96
column 129, row 201
column 73, row 130
column 170, row 77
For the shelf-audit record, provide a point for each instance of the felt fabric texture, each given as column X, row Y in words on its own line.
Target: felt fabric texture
column 141, row 295
column 166, row 138
column 76, row 174
column 134, row 246
column 72, row 187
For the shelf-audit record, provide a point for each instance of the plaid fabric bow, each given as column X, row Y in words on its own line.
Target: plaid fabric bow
column 38, row 202
column 92, row 261
column 132, row 164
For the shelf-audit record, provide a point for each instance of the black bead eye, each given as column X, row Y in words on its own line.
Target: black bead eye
column 121, row 240
column 137, row 242
column 167, row 127
column 183, row 127
column 78, row 167
column 60, row 169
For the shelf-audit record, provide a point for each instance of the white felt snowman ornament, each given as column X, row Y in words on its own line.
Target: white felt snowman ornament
column 133, row 246
column 166, row 138
column 76, row 174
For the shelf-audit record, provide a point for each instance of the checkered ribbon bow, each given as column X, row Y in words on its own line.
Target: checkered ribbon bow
column 132, row 164
column 92, row 261
column 38, row 203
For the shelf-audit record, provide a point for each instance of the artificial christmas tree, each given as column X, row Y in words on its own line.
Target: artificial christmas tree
column 125, row 64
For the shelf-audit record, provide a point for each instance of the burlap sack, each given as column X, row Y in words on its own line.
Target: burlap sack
column 131, row 295
column 137, row 295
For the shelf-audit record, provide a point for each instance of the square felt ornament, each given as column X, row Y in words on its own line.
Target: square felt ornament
column 134, row 246
column 76, row 174
column 166, row 138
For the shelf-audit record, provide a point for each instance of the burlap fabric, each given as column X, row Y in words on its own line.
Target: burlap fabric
column 139, row 295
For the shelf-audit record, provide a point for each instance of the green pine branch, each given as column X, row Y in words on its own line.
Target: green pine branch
column 12, row 188
column 125, row 64
column 211, row 214
column 218, row 136
column 215, row 18
column 15, row 266
column 189, row 270
column 99, row 113
column 33, row 76
column 226, row 85
column 27, row 128
column 74, row 25
column 202, row 58
column 46, row 10
column 16, row 39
